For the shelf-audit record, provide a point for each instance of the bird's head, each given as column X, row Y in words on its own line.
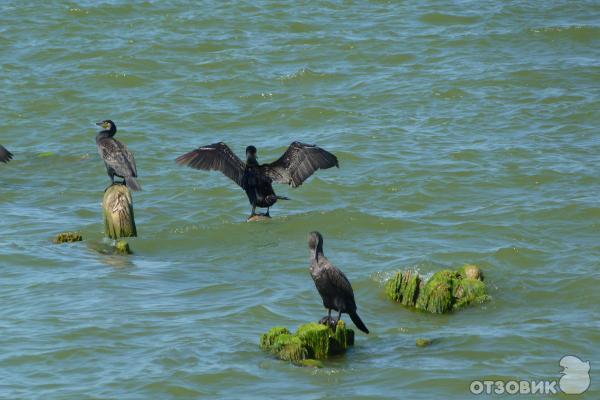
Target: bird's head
column 251, row 153
column 107, row 125
column 315, row 241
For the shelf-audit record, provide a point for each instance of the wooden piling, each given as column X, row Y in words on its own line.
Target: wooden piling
column 118, row 212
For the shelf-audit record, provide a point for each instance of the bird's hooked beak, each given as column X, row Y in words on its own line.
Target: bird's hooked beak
column 103, row 124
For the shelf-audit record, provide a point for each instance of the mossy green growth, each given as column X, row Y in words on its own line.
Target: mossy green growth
column 122, row 247
column 342, row 339
column 68, row 237
column 403, row 287
column 436, row 294
column 469, row 291
column 289, row 348
column 445, row 291
column 316, row 338
column 268, row 339
column 311, row 342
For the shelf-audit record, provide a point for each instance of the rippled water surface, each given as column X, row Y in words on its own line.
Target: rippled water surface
column 466, row 131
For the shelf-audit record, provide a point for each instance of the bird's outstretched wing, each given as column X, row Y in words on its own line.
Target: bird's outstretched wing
column 217, row 156
column 5, row 155
column 299, row 162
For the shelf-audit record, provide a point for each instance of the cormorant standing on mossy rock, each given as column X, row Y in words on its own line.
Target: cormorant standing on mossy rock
column 295, row 166
column 5, row 155
column 332, row 284
column 117, row 158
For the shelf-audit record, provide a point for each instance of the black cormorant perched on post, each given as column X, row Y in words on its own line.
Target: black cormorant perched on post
column 332, row 284
column 5, row 155
column 295, row 166
column 117, row 158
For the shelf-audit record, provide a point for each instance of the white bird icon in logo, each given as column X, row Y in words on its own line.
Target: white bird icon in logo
column 576, row 375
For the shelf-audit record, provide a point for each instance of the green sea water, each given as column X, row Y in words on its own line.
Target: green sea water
column 466, row 131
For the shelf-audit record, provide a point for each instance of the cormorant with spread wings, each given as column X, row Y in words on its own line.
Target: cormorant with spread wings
column 5, row 155
column 298, row 162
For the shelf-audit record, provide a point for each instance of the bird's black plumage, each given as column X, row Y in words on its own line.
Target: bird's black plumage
column 298, row 162
column 117, row 158
column 5, row 155
column 332, row 284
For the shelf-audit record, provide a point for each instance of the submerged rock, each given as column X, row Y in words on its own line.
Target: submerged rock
column 312, row 342
column 122, row 247
column 113, row 247
column 68, row 237
column 470, row 271
column 445, row 291
column 436, row 294
column 404, row 288
column 423, row 342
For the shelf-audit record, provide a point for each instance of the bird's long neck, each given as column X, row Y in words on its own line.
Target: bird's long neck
column 317, row 253
column 251, row 161
column 107, row 133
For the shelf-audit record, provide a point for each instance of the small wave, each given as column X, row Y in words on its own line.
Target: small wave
column 448, row 19
column 119, row 79
column 305, row 75
column 579, row 33
column 454, row 93
column 300, row 27
column 399, row 58
column 78, row 11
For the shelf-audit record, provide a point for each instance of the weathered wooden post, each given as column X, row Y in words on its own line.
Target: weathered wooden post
column 118, row 212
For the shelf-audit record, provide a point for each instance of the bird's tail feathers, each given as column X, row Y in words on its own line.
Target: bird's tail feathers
column 132, row 183
column 272, row 198
column 358, row 322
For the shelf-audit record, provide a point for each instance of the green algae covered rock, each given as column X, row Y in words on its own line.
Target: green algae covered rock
column 312, row 342
column 122, row 247
column 289, row 347
column 68, row 237
column 436, row 294
column 268, row 339
column 469, row 291
column 445, row 291
column 404, row 287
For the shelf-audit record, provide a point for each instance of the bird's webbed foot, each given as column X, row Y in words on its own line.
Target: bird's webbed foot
column 329, row 321
column 258, row 216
